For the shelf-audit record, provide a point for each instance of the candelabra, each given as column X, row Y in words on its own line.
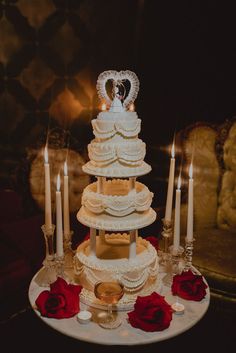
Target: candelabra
column 60, row 268
column 69, row 253
column 164, row 254
column 48, row 273
column 188, row 256
column 175, row 257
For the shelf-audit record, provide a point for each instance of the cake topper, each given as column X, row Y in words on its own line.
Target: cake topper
column 120, row 99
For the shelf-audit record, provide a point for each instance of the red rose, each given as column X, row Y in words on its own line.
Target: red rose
column 151, row 313
column 62, row 301
column 189, row 286
column 154, row 241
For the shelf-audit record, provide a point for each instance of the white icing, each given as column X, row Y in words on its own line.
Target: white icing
column 135, row 275
column 104, row 129
column 129, row 152
column 117, row 169
column 135, row 220
column 116, row 199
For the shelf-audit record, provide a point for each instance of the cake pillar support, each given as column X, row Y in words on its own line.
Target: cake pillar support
column 132, row 246
column 93, row 242
column 132, row 183
column 102, row 235
column 100, row 184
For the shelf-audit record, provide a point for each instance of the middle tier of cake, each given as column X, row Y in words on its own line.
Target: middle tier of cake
column 116, row 206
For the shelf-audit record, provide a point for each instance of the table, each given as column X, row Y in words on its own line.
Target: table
column 124, row 334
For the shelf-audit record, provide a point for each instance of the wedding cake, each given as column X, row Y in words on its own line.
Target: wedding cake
column 116, row 205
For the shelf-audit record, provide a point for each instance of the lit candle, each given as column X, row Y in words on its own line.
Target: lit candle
column 170, row 185
column 178, row 308
column 190, row 205
column 48, row 210
column 59, row 231
column 177, row 215
column 104, row 107
column 66, row 210
column 131, row 107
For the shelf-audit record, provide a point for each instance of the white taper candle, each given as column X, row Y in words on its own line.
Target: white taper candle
column 66, row 209
column 190, row 205
column 170, row 189
column 48, row 207
column 59, row 230
column 177, row 216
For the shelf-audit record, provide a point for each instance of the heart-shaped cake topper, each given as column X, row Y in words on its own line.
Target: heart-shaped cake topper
column 118, row 78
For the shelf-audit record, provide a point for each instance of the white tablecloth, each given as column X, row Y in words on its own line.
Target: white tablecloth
column 125, row 334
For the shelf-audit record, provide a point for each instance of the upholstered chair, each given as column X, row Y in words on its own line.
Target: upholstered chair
column 213, row 150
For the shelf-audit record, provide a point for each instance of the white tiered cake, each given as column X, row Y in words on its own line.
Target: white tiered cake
column 116, row 208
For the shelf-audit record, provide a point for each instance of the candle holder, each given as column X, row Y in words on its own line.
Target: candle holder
column 165, row 256
column 188, row 256
column 48, row 273
column 176, row 255
column 69, row 253
column 60, row 268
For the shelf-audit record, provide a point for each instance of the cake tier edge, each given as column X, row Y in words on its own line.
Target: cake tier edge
column 108, row 222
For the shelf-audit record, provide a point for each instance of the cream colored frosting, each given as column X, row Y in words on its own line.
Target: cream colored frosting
column 135, row 220
column 116, row 169
column 117, row 199
column 136, row 275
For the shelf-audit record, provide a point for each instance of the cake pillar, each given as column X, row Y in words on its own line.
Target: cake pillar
column 100, row 184
column 102, row 235
column 92, row 242
column 132, row 246
column 132, row 183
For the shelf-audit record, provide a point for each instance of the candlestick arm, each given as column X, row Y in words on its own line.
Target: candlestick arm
column 47, row 274
column 188, row 256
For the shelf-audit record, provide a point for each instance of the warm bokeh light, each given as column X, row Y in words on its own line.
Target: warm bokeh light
column 58, row 182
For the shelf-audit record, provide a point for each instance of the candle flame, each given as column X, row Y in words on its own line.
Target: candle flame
column 191, row 170
column 104, row 107
column 46, row 154
column 173, row 150
column 65, row 168
column 131, row 107
column 179, row 182
column 58, row 182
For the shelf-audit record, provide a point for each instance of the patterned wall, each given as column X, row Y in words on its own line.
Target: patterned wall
column 51, row 52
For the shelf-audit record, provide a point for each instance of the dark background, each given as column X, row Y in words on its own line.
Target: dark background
column 51, row 53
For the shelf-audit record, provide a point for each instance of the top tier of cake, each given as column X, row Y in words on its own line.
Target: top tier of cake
column 116, row 150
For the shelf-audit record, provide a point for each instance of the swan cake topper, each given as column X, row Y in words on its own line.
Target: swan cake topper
column 120, row 99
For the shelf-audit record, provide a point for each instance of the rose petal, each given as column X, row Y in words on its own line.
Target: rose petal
column 58, row 286
column 41, row 301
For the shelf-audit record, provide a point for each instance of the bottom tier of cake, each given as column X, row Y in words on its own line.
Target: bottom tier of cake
column 138, row 275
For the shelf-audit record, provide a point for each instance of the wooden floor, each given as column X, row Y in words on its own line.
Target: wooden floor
column 216, row 332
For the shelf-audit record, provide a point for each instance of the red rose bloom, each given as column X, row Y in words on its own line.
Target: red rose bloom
column 151, row 313
column 62, row 301
column 154, row 241
column 189, row 286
